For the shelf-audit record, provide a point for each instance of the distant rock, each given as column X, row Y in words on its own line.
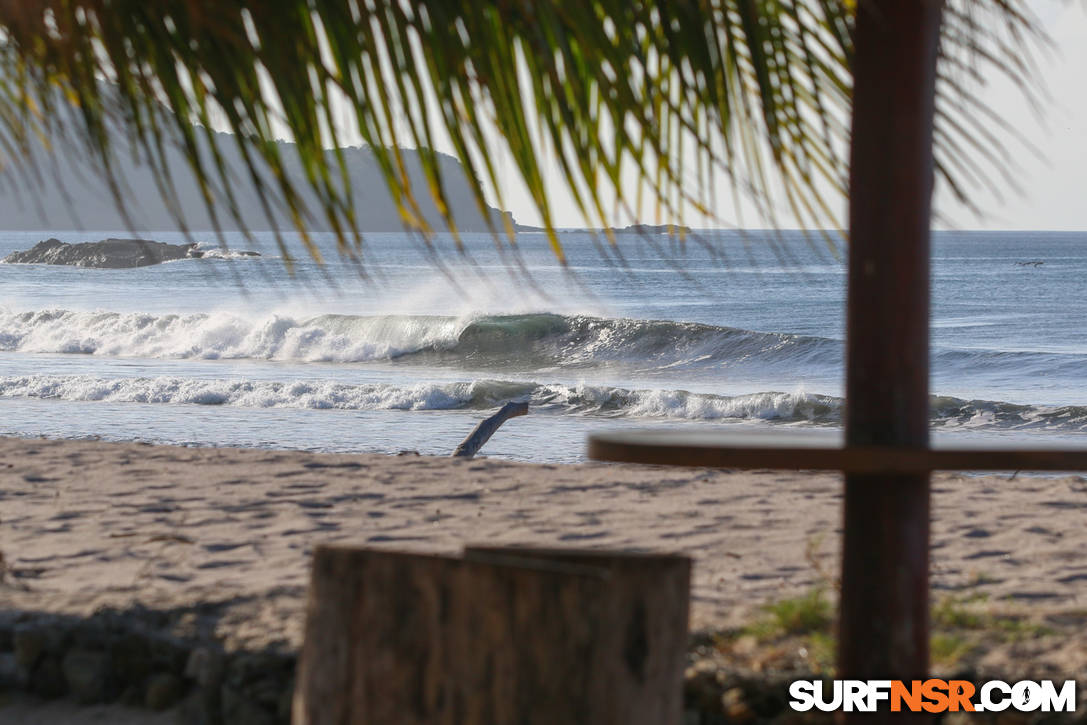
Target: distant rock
column 106, row 254
column 669, row 229
column 643, row 229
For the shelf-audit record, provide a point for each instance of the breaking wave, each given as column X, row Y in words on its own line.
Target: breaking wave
column 529, row 341
column 592, row 400
column 501, row 343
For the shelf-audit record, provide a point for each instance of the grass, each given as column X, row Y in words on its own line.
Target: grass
column 953, row 612
column 804, row 625
column 962, row 613
column 806, row 614
column 788, row 628
column 821, row 650
column 948, row 648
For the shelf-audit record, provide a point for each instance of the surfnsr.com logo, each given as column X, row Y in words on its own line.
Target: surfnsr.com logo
column 932, row 696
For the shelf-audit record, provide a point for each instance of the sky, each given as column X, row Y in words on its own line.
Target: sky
column 1052, row 177
column 1050, row 172
column 1054, row 184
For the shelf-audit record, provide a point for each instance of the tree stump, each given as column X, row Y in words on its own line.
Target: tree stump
column 498, row 636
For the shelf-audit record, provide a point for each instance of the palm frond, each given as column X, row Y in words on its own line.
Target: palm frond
column 623, row 95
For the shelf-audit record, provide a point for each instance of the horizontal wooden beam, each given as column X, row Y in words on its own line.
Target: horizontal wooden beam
column 819, row 452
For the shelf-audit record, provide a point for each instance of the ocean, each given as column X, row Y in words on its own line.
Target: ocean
column 411, row 349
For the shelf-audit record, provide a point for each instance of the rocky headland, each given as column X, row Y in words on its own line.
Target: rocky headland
column 107, row 253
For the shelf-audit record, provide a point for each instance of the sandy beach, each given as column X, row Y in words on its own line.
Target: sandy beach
column 89, row 524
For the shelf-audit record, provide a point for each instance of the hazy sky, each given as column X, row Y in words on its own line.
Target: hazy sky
column 1054, row 194
column 1053, row 186
column 1052, row 176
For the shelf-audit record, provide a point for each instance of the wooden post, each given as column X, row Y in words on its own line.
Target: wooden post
column 884, row 606
column 497, row 636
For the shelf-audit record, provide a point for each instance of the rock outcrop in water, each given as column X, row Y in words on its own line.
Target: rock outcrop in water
column 672, row 230
column 106, row 254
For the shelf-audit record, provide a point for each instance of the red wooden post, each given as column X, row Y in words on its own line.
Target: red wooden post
column 884, row 606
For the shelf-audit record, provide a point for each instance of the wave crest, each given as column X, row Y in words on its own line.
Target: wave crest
column 501, row 343
column 529, row 341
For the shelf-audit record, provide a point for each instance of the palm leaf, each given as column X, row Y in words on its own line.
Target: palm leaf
column 624, row 94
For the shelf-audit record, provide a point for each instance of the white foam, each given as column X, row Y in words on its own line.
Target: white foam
column 579, row 399
column 760, row 406
column 223, row 335
column 241, row 393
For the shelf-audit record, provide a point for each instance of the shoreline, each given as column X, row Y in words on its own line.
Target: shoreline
column 213, row 544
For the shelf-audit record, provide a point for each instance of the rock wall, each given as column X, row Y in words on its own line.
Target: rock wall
column 132, row 658
column 160, row 660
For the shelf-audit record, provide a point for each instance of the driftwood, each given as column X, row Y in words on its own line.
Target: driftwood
column 498, row 636
column 486, row 429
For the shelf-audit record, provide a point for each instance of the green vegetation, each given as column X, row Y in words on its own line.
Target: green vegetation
column 953, row 612
column 947, row 649
column 806, row 614
column 803, row 626
column 640, row 106
column 967, row 613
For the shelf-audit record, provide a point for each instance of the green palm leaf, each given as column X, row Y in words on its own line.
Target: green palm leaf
column 623, row 94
